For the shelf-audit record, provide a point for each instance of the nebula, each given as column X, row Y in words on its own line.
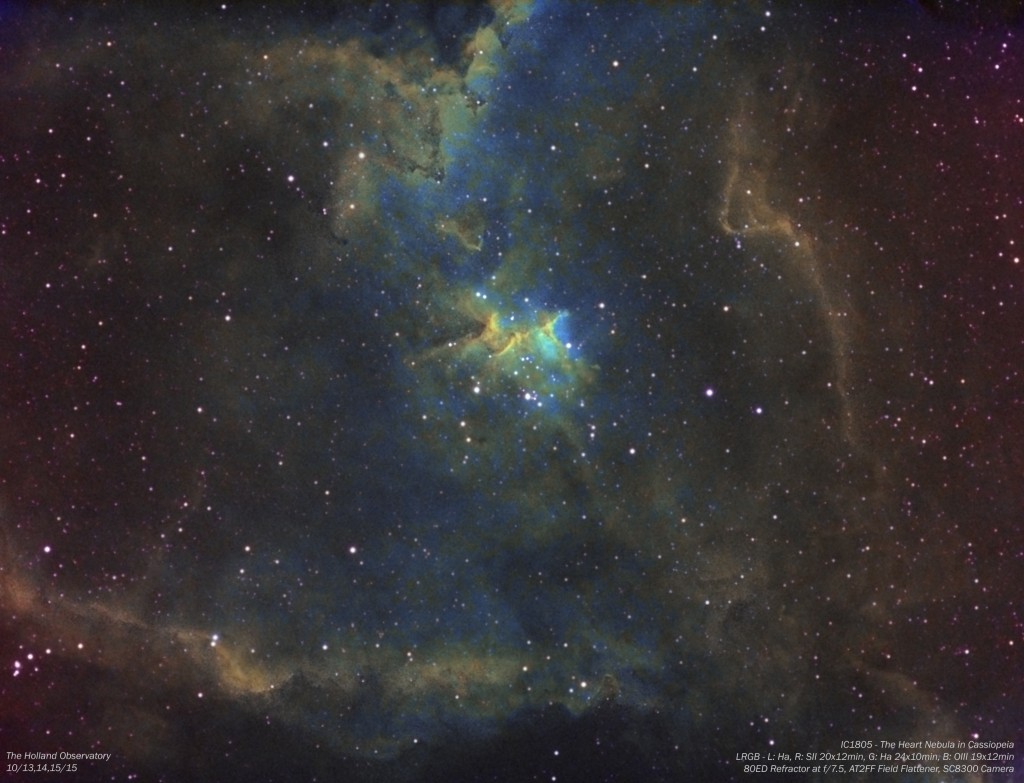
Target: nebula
column 508, row 391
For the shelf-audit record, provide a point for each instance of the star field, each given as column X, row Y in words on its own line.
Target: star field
column 510, row 391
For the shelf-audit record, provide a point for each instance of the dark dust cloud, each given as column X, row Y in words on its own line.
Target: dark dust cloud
column 524, row 391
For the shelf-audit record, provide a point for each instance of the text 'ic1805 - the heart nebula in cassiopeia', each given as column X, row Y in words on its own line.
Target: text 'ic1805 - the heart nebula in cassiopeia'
column 510, row 391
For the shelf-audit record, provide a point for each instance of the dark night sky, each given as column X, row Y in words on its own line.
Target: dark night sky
column 509, row 392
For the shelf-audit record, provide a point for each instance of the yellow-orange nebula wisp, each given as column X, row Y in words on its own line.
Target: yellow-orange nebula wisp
column 750, row 209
